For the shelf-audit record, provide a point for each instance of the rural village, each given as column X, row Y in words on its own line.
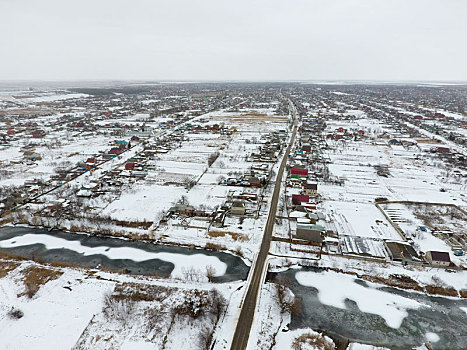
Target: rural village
column 200, row 216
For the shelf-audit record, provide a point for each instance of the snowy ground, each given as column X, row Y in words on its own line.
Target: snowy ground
column 68, row 312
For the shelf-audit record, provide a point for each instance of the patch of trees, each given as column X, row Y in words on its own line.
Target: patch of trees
column 212, row 158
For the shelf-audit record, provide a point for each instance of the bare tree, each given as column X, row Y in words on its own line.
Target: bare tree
column 211, row 273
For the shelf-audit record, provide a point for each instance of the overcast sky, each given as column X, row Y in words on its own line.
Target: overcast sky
column 234, row 40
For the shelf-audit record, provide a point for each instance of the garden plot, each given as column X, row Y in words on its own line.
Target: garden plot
column 232, row 160
column 144, row 202
column 189, row 160
column 418, row 185
column 191, row 151
column 443, row 226
column 423, row 179
column 209, row 178
column 64, row 152
column 207, row 195
column 191, row 169
column 8, row 153
column 55, row 151
column 240, row 235
column 262, row 117
column 360, row 220
column 206, row 137
column 362, row 246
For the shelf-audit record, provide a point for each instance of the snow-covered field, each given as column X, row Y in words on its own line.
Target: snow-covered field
column 71, row 311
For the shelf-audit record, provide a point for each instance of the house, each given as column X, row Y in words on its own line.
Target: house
column 310, row 189
column 121, row 143
column 115, row 151
column 92, row 186
column 298, row 171
column 130, row 166
column 91, row 163
column 442, row 150
column 35, row 156
column 251, row 181
column 139, row 174
column 245, row 196
column 238, row 208
column 231, row 181
column 38, row 134
column 299, row 198
column 395, row 142
column 84, row 193
column 306, row 233
column 181, row 209
column 436, row 258
column 401, row 251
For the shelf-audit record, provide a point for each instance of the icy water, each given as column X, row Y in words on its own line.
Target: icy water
column 442, row 316
column 236, row 269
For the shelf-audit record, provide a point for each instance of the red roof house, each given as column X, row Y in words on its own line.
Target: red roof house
column 298, row 171
column 299, row 198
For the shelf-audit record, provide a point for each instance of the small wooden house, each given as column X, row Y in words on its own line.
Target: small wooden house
column 436, row 258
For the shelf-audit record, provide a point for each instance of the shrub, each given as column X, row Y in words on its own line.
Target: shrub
column 191, row 274
column 212, row 158
column 211, row 273
column 214, row 246
column 315, row 341
column 205, row 337
column 35, row 277
column 118, row 307
column 15, row 314
column 239, row 251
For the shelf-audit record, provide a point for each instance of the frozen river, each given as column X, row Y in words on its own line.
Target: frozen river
column 348, row 307
column 132, row 257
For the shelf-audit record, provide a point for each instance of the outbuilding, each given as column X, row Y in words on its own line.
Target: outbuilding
column 238, row 208
column 436, row 258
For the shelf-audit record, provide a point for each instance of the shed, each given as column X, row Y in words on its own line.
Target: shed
column 307, row 234
column 436, row 258
column 238, row 208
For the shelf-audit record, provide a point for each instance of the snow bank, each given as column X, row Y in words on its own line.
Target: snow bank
column 432, row 337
